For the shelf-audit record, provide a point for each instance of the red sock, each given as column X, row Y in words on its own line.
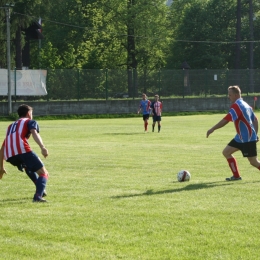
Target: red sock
column 145, row 126
column 233, row 166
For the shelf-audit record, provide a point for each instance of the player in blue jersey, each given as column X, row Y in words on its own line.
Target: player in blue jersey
column 246, row 125
column 145, row 107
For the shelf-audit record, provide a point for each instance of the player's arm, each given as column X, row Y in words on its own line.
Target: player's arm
column 140, row 107
column 37, row 138
column 255, row 123
column 220, row 124
column 2, row 169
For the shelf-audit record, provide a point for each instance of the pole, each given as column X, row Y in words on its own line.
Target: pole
column 7, row 9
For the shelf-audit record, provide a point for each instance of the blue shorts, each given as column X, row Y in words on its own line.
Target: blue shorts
column 28, row 160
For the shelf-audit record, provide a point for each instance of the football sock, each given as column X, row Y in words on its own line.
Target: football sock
column 40, row 185
column 233, row 166
column 159, row 128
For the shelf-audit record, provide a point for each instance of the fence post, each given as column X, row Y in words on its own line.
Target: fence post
column 227, row 77
column 14, row 84
column 133, row 83
column 78, row 85
column 47, row 85
column 249, row 81
column 183, row 90
column 159, row 82
column 206, row 81
column 106, row 72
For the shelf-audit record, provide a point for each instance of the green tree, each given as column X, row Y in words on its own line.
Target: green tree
column 201, row 32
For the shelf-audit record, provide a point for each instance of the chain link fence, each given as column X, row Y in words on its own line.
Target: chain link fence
column 77, row 84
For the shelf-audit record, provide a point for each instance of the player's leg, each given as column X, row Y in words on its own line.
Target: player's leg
column 154, row 122
column 250, row 151
column 34, row 164
column 227, row 152
column 41, row 184
column 254, row 161
column 34, row 177
column 159, row 123
column 146, row 124
column 146, row 118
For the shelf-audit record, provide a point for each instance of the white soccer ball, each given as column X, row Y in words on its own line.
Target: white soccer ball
column 183, row 175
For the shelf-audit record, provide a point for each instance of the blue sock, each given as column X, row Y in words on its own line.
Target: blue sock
column 40, row 186
column 32, row 175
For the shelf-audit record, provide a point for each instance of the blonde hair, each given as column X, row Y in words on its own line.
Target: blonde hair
column 235, row 89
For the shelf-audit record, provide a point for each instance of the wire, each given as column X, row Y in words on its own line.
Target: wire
column 140, row 36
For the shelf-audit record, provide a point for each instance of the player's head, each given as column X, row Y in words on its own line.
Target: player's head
column 234, row 93
column 156, row 97
column 144, row 96
column 25, row 111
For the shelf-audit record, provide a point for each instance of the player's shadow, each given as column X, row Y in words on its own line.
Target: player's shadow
column 137, row 133
column 16, row 201
column 190, row 187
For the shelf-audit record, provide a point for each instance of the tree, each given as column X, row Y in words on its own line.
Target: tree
column 201, row 32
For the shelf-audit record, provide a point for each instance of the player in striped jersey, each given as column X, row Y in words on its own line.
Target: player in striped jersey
column 156, row 107
column 246, row 125
column 16, row 150
column 145, row 107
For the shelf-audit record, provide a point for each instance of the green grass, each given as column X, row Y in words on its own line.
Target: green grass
column 113, row 194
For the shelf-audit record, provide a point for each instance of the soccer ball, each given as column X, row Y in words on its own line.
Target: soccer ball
column 183, row 175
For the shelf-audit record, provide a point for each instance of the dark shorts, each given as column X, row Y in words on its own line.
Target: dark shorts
column 146, row 117
column 247, row 149
column 28, row 160
column 157, row 118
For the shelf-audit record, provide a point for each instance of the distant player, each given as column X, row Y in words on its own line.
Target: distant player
column 246, row 125
column 156, row 107
column 16, row 150
column 145, row 107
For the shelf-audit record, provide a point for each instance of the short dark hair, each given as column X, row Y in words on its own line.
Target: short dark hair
column 235, row 89
column 23, row 110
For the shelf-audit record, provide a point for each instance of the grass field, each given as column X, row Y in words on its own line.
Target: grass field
column 113, row 194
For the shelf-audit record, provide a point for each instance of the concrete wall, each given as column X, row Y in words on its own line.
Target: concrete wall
column 122, row 106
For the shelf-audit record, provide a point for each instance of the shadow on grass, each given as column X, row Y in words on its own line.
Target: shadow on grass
column 134, row 133
column 197, row 186
column 16, row 201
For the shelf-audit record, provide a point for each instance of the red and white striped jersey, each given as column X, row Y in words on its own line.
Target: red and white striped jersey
column 157, row 108
column 17, row 135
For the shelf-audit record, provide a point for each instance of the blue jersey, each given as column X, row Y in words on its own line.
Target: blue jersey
column 145, row 106
column 243, row 117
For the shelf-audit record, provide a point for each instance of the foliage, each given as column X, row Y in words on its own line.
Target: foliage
column 204, row 34
column 140, row 34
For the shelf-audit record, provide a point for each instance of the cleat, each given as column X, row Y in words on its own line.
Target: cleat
column 44, row 193
column 232, row 178
column 39, row 200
